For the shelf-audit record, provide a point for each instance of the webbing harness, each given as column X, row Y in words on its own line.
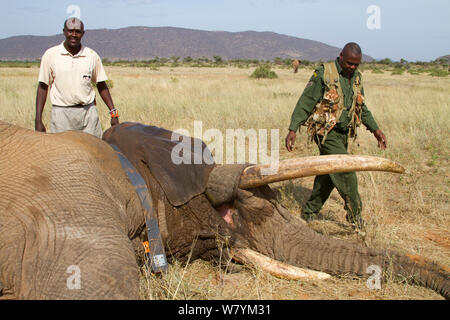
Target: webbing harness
column 329, row 109
column 331, row 79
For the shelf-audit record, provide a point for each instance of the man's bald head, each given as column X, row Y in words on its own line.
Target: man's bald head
column 352, row 48
column 73, row 23
column 73, row 31
column 350, row 58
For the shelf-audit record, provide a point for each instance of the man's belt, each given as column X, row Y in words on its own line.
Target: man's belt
column 77, row 105
column 154, row 251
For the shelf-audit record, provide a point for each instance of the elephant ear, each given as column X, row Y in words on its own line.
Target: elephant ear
column 150, row 150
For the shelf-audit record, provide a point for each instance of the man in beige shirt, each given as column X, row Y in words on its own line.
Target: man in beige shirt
column 69, row 69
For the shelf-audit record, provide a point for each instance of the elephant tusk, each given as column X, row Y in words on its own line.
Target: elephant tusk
column 259, row 175
column 274, row 267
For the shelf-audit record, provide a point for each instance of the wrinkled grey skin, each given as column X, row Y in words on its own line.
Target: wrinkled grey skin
column 68, row 213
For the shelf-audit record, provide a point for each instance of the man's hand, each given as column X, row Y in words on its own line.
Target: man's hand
column 114, row 121
column 106, row 96
column 290, row 140
column 382, row 142
column 39, row 126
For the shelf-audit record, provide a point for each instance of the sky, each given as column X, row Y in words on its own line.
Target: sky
column 410, row 29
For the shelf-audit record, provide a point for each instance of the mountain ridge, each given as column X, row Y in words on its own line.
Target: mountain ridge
column 144, row 43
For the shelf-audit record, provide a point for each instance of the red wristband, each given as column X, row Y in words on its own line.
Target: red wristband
column 114, row 113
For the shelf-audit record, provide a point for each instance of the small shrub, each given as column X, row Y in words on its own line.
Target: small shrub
column 413, row 72
column 398, row 71
column 263, row 72
column 439, row 73
column 377, row 70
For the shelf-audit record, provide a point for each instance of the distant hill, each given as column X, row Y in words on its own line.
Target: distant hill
column 144, row 43
column 443, row 59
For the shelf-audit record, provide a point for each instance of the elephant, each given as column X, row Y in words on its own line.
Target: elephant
column 296, row 64
column 71, row 222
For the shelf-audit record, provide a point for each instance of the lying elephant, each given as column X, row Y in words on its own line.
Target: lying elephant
column 70, row 220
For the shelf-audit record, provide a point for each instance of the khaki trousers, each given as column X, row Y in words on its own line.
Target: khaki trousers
column 76, row 118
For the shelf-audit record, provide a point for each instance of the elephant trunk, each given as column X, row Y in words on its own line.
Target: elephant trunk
column 318, row 252
column 425, row 273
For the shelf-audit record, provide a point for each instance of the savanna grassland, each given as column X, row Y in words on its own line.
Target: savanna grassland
column 408, row 213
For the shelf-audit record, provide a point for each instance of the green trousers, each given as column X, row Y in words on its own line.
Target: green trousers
column 345, row 183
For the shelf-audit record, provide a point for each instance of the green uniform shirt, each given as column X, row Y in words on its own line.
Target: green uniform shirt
column 313, row 93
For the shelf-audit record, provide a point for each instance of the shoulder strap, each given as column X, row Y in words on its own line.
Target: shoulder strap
column 331, row 74
column 355, row 111
column 357, row 84
column 331, row 79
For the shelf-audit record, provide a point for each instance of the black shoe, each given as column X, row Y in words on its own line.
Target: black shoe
column 356, row 222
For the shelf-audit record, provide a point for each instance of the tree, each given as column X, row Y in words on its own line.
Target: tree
column 218, row 60
column 188, row 59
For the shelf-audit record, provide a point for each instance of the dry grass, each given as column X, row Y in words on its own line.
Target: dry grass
column 407, row 213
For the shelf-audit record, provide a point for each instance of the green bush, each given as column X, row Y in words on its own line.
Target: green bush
column 413, row 72
column 263, row 72
column 439, row 73
column 377, row 70
column 398, row 71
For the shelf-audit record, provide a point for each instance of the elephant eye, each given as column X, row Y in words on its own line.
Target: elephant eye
column 226, row 211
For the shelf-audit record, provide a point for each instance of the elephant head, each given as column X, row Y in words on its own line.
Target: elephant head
column 236, row 216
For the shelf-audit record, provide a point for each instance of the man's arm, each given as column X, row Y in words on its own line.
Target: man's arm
column 106, row 96
column 371, row 125
column 41, row 98
column 311, row 95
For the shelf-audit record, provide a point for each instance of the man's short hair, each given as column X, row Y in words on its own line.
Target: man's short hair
column 73, row 23
column 353, row 48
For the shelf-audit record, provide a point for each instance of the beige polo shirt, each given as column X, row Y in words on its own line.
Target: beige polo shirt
column 70, row 76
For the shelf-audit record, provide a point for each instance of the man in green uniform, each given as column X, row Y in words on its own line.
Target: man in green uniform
column 333, row 109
